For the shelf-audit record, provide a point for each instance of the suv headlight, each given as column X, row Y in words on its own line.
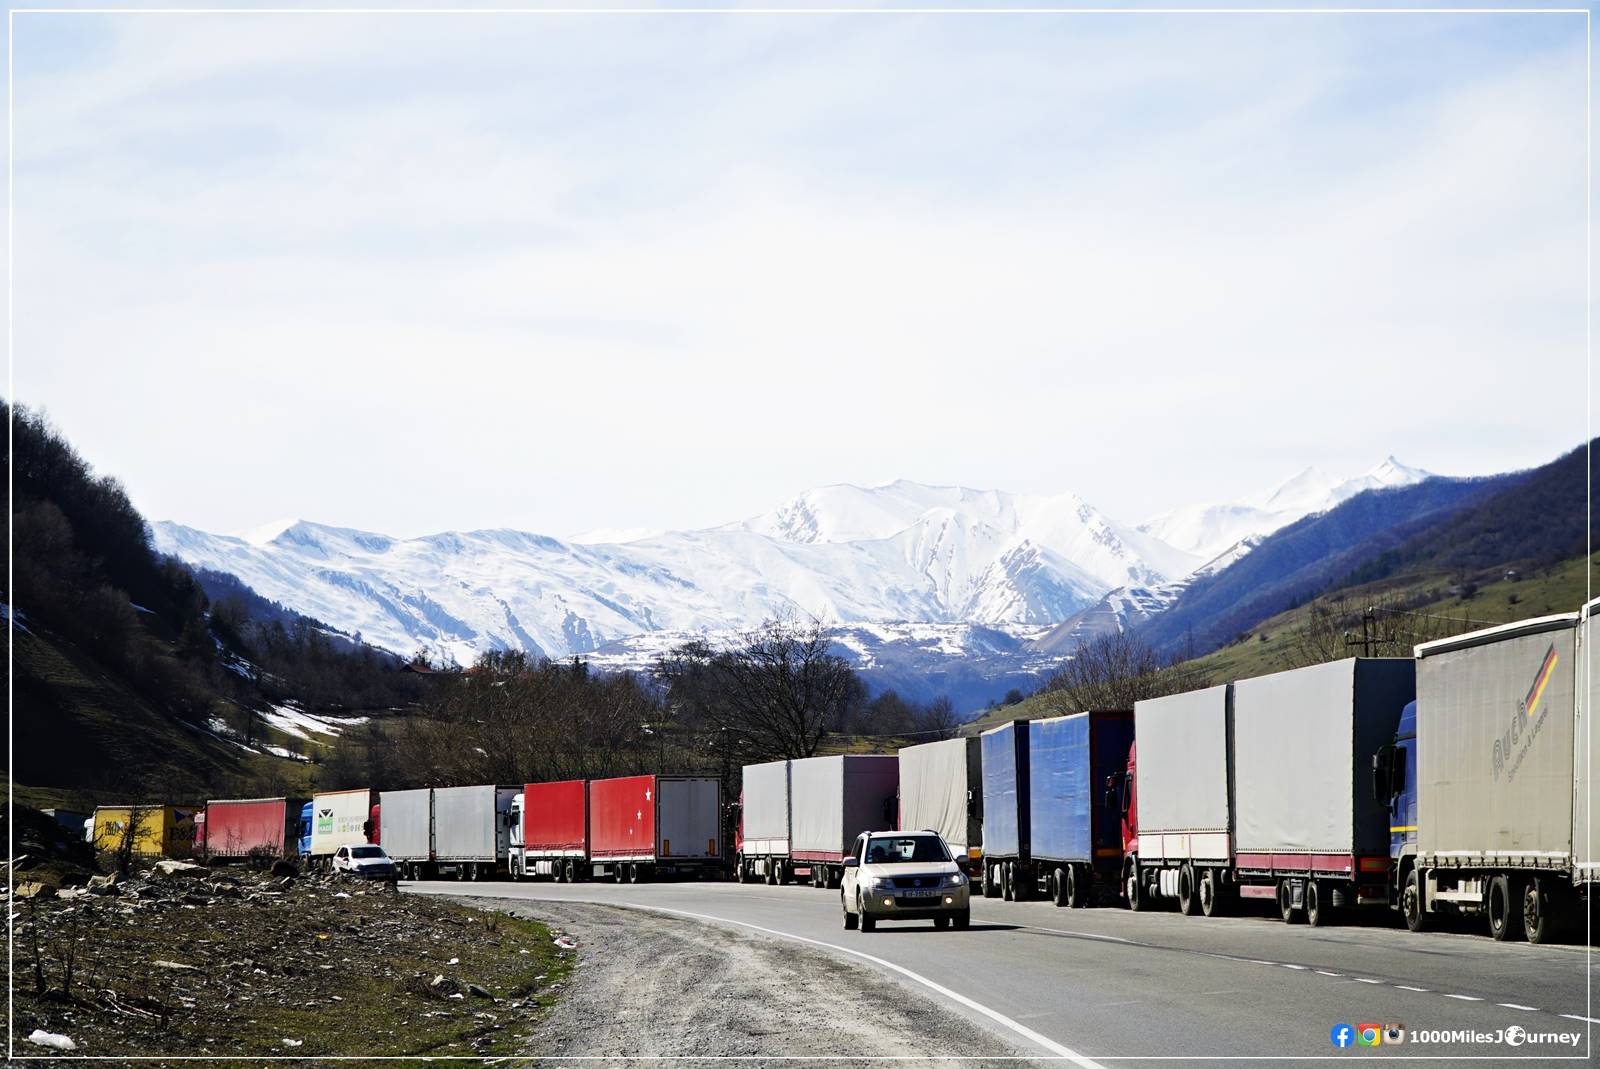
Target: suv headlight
column 954, row 879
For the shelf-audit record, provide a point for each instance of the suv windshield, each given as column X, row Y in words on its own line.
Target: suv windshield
column 366, row 851
column 899, row 850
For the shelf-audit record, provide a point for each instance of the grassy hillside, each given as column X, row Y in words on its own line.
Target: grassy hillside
column 1438, row 600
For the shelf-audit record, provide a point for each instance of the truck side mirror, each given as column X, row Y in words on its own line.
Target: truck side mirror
column 1382, row 774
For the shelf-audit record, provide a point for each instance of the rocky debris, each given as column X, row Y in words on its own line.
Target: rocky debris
column 235, row 964
column 30, row 889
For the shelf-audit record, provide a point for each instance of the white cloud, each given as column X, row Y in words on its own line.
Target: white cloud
column 561, row 274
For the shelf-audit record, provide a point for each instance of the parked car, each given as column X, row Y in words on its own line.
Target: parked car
column 903, row 876
column 364, row 860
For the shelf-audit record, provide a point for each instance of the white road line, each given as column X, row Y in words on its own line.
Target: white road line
column 955, row 996
column 1514, row 1006
column 1287, row 965
column 1580, row 1017
column 1463, row 998
column 1325, row 972
column 1365, row 980
column 1083, row 935
column 1408, row 987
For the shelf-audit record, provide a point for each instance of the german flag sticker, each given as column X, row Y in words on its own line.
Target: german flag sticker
column 1546, row 670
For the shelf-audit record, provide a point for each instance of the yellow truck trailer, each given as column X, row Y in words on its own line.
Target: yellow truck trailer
column 161, row 831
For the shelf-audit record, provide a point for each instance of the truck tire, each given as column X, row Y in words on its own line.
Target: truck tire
column 1505, row 918
column 1058, row 887
column 1077, row 886
column 783, row 873
column 1286, row 902
column 1209, row 893
column 991, row 882
column 770, row 872
column 633, row 872
column 1411, row 903
column 1137, row 901
column 570, row 870
column 1318, row 912
column 1188, row 893
column 1539, row 907
column 1007, row 875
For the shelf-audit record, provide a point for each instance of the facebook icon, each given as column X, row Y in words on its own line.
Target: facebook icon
column 1342, row 1035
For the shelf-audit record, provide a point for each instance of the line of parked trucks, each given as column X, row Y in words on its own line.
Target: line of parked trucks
column 1457, row 781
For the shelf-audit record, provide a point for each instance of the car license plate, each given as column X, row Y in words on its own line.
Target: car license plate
column 925, row 892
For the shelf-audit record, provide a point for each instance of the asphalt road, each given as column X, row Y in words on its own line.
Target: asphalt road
column 1104, row 986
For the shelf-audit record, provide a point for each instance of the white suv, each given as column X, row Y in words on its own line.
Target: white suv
column 903, row 876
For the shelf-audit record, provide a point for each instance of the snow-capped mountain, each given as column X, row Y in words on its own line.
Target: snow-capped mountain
column 846, row 555
column 904, row 554
column 1208, row 530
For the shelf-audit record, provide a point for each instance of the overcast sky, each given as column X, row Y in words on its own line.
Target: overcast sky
column 553, row 272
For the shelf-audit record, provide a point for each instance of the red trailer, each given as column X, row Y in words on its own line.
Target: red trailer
column 252, row 828
column 550, row 831
column 644, row 826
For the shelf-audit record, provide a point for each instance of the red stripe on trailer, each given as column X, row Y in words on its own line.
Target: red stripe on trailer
column 1287, row 863
column 817, row 855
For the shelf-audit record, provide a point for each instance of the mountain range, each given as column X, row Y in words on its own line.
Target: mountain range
column 884, row 564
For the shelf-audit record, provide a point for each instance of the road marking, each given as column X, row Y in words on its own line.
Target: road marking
column 1364, row 980
column 1325, row 972
column 1464, row 998
column 1408, row 987
column 1514, row 1006
column 1288, row 965
column 1082, row 935
column 955, row 996
column 1581, row 1017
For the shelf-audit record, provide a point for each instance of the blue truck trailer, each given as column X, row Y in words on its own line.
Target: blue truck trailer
column 1005, row 791
column 1048, row 824
column 1076, row 828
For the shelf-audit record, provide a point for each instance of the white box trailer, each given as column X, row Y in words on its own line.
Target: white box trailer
column 764, row 823
column 831, row 801
column 339, row 818
column 1502, row 796
column 405, row 829
column 941, row 789
column 472, row 829
column 1183, row 783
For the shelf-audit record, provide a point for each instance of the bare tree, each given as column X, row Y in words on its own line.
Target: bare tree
column 1112, row 672
column 127, row 843
column 938, row 719
column 779, row 690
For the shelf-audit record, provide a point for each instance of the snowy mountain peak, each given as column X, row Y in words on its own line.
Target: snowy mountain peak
column 1210, row 529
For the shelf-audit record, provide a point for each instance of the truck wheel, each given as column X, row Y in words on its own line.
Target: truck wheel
column 1137, row 901
column 1210, row 903
column 1058, row 887
column 1505, row 919
column 963, row 920
column 1317, row 912
column 1188, row 900
column 1077, row 886
column 849, row 918
column 740, row 872
column 633, row 872
column 1411, row 903
column 1007, row 874
column 770, row 872
column 1286, row 902
column 1538, row 912
column 835, row 876
column 991, row 882
column 783, row 873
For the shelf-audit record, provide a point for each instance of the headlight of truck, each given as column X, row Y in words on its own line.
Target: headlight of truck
column 954, row 879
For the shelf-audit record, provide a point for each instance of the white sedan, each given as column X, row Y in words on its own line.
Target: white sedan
column 903, row 876
column 366, row 860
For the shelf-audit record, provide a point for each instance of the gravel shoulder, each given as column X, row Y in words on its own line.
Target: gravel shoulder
column 652, row 985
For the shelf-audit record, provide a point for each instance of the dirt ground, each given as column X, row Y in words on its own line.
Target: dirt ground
column 649, row 985
column 232, row 962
